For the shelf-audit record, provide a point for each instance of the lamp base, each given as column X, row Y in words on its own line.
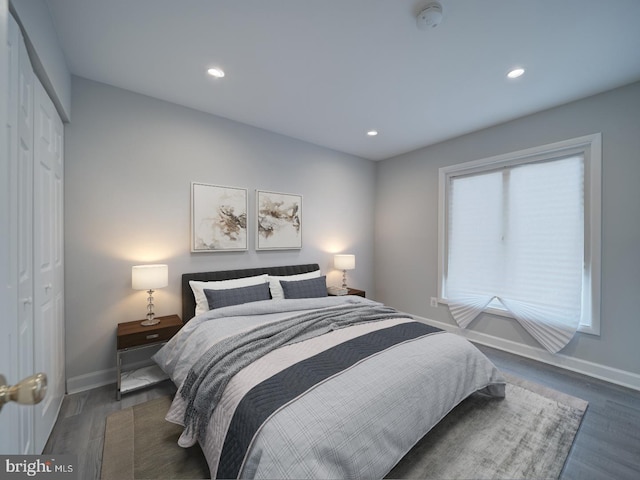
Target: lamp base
column 150, row 315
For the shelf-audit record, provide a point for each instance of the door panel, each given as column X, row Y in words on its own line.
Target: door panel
column 31, row 251
column 9, row 441
column 25, row 240
column 48, row 261
column 17, row 326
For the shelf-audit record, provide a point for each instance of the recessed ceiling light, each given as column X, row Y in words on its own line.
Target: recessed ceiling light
column 372, row 133
column 515, row 73
column 216, row 72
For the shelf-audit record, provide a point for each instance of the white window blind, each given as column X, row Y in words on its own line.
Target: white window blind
column 515, row 239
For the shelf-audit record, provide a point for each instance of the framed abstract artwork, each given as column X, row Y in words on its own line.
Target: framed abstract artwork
column 278, row 221
column 218, row 218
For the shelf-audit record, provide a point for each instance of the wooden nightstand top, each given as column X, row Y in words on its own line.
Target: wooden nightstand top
column 133, row 334
column 351, row 291
column 355, row 291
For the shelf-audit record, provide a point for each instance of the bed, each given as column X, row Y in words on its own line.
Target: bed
column 309, row 386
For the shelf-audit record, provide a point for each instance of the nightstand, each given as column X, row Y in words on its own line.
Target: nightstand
column 353, row 291
column 132, row 336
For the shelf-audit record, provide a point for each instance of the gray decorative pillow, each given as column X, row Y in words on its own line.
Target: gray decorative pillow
column 312, row 288
column 237, row 296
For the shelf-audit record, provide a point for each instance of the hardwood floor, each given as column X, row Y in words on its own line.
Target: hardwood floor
column 607, row 445
column 79, row 429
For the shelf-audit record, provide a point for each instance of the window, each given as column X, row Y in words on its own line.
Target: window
column 519, row 235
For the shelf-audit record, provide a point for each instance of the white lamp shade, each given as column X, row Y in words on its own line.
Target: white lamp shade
column 344, row 262
column 149, row 277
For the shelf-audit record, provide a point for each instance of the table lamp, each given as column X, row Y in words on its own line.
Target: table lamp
column 149, row 277
column 344, row 263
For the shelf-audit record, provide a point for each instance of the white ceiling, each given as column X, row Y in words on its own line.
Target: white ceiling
column 327, row 71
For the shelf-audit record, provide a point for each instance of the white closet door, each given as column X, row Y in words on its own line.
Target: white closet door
column 25, row 239
column 20, row 155
column 48, row 261
column 10, row 429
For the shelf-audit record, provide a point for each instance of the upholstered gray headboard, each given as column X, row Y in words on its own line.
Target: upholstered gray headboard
column 189, row 303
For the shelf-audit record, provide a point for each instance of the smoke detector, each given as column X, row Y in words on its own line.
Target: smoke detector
column 430, row 16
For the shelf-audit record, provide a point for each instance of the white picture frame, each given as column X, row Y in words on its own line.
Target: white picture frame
column 278, row 221
column 218, row 218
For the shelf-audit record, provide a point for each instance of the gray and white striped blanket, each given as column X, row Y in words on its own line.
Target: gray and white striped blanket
column 209, row 376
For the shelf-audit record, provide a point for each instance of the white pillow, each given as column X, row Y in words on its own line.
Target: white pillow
column 276, row 288
column 202, row 305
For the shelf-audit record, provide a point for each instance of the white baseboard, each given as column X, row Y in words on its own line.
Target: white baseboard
column 595, row 370
column 585, row 367
column 91, row 380
column 100, row 378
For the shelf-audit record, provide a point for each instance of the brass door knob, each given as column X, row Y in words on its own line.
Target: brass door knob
column 28, row 391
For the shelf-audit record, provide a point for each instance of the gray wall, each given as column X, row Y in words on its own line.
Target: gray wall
column 407, row 223
column 130, row 161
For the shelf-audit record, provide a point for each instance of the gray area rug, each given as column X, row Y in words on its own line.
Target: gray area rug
column 526, row 435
